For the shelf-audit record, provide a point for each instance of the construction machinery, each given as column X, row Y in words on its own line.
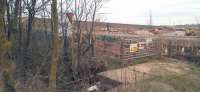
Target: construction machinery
column 189, row 32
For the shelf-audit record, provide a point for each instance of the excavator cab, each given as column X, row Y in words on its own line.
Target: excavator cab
column 189, row 32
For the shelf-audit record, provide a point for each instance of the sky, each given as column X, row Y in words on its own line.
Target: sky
column 164, row 12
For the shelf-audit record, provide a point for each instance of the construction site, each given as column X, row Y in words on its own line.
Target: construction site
column 141, row 60
column 145, row 61
column 99, row 46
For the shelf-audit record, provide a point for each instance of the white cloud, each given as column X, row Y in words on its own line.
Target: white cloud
column 137, row 11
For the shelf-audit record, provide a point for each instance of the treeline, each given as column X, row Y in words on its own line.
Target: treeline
column 40, row 50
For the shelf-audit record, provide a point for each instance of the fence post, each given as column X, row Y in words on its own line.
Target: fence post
column 170, row 49
column 121, row 49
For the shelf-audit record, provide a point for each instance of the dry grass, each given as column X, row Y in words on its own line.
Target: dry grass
column 164, row 75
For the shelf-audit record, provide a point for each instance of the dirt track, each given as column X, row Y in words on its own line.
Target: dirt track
column 129, row 72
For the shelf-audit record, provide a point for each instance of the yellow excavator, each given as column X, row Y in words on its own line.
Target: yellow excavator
column 189, row 32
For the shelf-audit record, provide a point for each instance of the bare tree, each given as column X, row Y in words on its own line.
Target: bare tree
column 85, row 11
column 80, row 44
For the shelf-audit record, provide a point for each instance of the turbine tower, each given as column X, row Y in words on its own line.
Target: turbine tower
column 150, row 18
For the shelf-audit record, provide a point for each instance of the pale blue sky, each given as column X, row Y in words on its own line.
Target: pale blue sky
column 164, row 12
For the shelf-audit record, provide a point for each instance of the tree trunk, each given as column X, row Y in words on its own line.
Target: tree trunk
column 26, row 56
column 30, row 21
column 2, row 13
column 12, row 18
column 31, row 15
column 55, row 46
column 92, row 37
column 8, row 19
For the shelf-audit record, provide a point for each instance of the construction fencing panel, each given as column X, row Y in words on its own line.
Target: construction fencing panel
column 180, row 46
column 127, row 49
column 133, row 48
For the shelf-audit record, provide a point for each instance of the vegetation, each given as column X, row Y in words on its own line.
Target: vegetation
column 6, row 66
column 157, row 75
column 195, row 59
column 43, row 59
column 114, row 63
column 108, row 38
column 187, row 81
column 41, row 51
